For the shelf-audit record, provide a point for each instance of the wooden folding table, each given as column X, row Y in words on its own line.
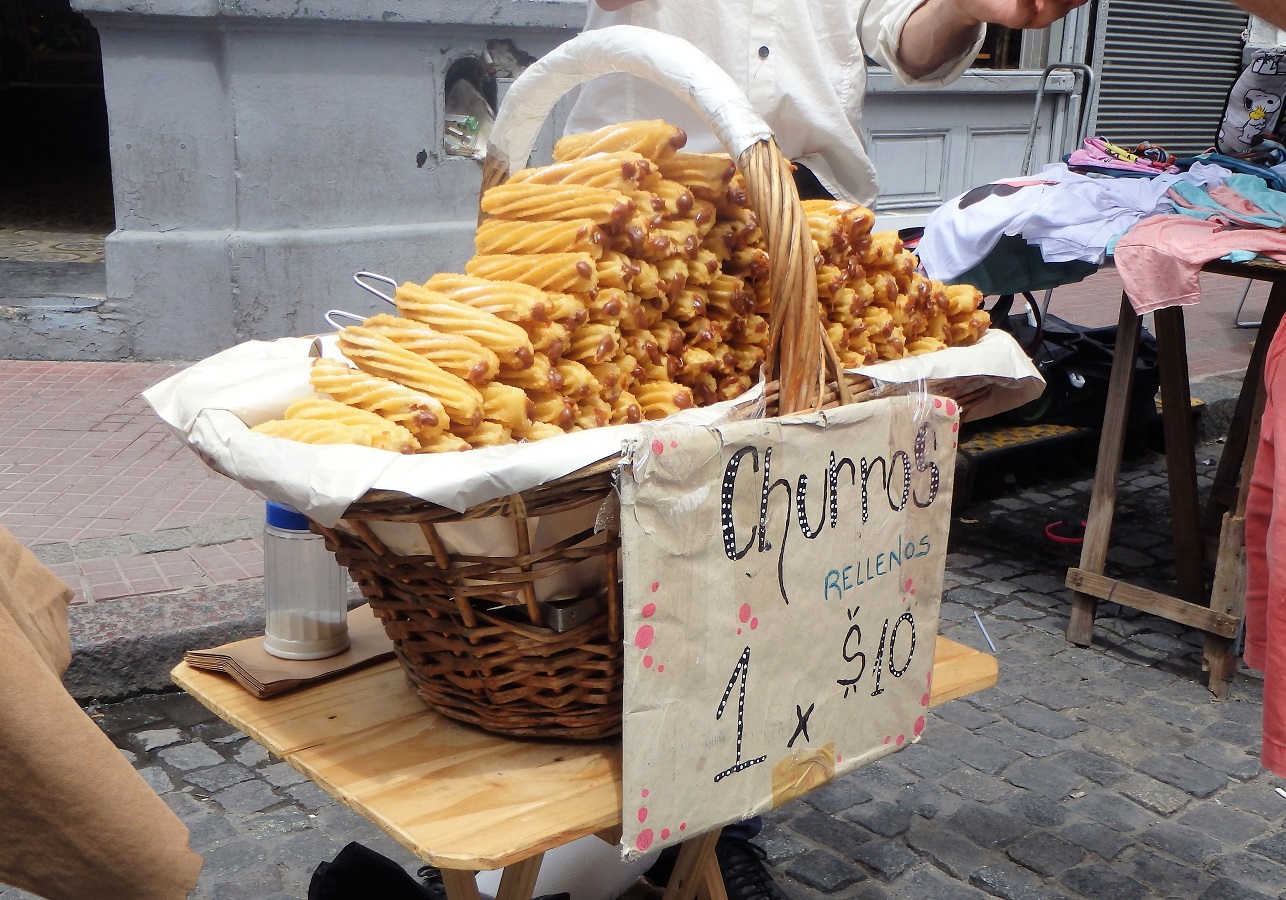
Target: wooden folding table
column 1216, row 534
column 466, row 800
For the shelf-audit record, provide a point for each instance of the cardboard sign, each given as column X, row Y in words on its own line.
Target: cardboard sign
column 782, row 583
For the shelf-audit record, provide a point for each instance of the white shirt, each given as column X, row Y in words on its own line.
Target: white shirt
column 800, row 62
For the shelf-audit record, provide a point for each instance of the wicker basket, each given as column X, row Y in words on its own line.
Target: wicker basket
column 468, row 628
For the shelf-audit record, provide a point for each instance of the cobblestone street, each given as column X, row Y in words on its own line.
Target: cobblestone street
column 1102, row 773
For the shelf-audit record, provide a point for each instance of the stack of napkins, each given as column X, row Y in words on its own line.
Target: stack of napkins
column 265, row 675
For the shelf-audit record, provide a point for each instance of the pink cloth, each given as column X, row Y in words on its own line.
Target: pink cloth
column 1160, row 259
column 1266, row 556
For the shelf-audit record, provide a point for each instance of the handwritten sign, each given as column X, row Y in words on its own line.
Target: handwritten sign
column 782, row 582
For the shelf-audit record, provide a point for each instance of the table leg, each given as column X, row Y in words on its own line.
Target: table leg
column 691, row 868
column 1180, row 465
column 518, row 881
column 461, row 884
column 1234, row 452
column 1107, row 471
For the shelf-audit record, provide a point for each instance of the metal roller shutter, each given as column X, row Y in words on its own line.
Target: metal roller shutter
column 1165, row 69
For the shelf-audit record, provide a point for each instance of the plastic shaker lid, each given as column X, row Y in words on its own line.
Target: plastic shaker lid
column 280, row 515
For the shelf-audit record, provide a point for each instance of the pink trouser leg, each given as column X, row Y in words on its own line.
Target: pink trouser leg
column 1266, row 546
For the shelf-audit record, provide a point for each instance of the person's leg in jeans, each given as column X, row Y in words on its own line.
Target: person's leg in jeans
column 1266, row 555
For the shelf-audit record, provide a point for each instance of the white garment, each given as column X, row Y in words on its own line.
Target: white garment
column 1070, row 216
column 800, row 63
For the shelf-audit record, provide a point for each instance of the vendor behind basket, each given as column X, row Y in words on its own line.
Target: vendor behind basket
column 802, row 64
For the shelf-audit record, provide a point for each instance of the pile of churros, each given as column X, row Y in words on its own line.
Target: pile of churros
column 624, row 282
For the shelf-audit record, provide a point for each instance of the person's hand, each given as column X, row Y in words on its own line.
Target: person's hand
column 1016, row 13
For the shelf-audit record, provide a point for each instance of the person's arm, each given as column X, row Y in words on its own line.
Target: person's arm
column 1268, row 10
column 941, row 30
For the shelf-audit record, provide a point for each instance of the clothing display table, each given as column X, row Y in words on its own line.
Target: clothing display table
column 466, row 800
column 1217, row 534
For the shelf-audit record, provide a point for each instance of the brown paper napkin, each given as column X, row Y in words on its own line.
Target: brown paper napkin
column 265, row 675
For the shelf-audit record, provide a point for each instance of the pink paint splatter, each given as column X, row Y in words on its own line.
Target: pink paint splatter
column 955, row 426
column 683, row 826
column 656, row 586
column 738, row 631
column 665, row 834
column 937, row 403
column 909, row 584
column 674, row 443
column 888, row 738
column 924, row 701
column 754, row 623
column 919, row 726
column 901, row 738
column 644, row 839
column 838, row 758
column 744, row 613
column 644, row 792
column 647, row 662
column 912, row 592
column 657, row 447
column 951, row 407
column 644, row 637
column 642, row 813
column 660, row 668
column 928, row 678
column 648, row 610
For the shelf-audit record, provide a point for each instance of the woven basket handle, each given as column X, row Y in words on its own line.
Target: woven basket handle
column 795, row 352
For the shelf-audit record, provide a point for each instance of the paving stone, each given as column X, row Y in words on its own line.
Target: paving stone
column 154, row 739
column 1154, row 795
column 1048, row 780
column 988, row 827
column 973, row 785
column 1009, row 882
column 246, row 797
column 1227, row 889
column 1111, row 810
column 926, row 883
column 1020, row 739
column 1057, row 697
column 208, row 829
column 1147, row 677
column 1222, row 758
column 282, row 775
column 995, row 572
column 838, row 795
column 985, row 754
column 995, row 699
column 157, row 779
column 1182, row 841
column 216, row 778
column 1250, row 869
column 1045, row 854
column 1186, row 775
column 956, row 560
column 186, row 757
column 1179, row 715
column 837, row 834
column 1099, row 839
column 309, row 795
column 927, row 761
column 285, row 820
column 1158, row 736
column 970, row 596
column 824, row 871
column 251, row 754
column 1109, row 718
column 1002, row 589
column 1258, row 799
column 1099, row 881
column 887, row 859
column 1231, row 825
column 880, row 817
column 946, row 849
column 964, row 715
column 1093, row 766
column 1273, row 846
column 1234, row 733
column 1162, row 875
column 930, row 800
column 231, row 858
column 303, row 850
column 1036, row 809
column 1042, row 721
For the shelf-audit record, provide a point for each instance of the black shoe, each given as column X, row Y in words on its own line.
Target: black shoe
column 358, row 873
column 745, row 877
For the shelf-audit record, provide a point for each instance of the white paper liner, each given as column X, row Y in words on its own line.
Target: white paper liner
column 213, row 404
column 663, row 59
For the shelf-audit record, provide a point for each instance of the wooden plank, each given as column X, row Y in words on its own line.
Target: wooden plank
column 690, row 872
column 1180, row 463
column 1107, row 470
column 519, row 880
column 458, row 797
column 1172, row 608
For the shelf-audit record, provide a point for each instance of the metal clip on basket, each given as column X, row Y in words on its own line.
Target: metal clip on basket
column 468, row 629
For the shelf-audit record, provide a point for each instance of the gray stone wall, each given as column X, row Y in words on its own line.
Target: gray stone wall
column 264, row 151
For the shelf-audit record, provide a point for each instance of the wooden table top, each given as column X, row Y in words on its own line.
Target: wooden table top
column 453, row 795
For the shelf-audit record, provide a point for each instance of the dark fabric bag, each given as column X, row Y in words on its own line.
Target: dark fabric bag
column 1076, row 363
